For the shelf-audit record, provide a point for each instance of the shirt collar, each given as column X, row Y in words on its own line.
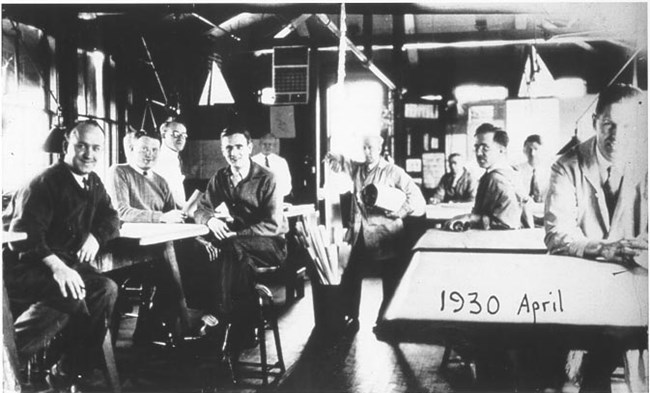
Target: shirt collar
column 140, row 171
column 79, row 178
column 603, row 164
column 497, row 165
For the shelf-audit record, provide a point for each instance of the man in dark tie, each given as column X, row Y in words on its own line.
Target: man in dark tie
column 532, row 181
column 274, row 163
column 597, row 208
column 50, row 282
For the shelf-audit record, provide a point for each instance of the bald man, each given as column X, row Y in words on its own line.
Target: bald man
column 67, row 216
column 375, row 234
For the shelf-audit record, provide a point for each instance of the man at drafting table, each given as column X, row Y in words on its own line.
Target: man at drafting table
column 597, row 208
column 496, row 205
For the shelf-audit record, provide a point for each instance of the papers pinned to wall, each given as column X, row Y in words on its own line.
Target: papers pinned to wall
column 433, row 167
column 283, row 122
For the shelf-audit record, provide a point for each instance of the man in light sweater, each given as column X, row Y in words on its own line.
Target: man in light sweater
column 138, row 193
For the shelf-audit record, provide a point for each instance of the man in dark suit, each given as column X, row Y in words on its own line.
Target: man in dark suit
column 51, row 285
column 457, row 185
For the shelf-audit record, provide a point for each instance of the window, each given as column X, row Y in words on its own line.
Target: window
column 26, row 117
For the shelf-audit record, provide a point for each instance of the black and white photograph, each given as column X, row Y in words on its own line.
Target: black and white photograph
column 325, row 197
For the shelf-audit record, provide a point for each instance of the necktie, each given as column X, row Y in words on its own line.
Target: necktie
column 611, row 196
column 534, row 188
column 86, row 183
column 145, row 173
column 266, row 161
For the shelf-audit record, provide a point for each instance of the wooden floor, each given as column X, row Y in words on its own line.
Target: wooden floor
column 353, row 363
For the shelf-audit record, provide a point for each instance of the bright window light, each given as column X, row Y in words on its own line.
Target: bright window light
column 473, row 93
column 432, row 97
column 352, row 113
column 570, row 87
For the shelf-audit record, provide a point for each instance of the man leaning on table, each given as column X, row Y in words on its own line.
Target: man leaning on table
column 141, row 195
column 67, row 216
column 597, row 208
column 254, row 237
column 496, row 205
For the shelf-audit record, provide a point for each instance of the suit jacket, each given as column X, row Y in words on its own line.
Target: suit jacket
column 576, row 212
column 463, row 191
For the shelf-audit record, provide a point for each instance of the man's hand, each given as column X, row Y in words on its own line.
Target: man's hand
column 88, row 250
column 458, row 223
column 333, row 162
column 434, row 201
column 213, row 252
column 219, row 228
column 68, row 279
column 624, row 251
column 173, row 217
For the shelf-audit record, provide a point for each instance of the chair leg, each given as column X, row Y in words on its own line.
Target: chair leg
column 227, row 355
column 111, row 367
column 278, row 345
column 261, row 332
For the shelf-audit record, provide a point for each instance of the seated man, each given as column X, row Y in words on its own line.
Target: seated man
column 51, row 285
column 139, row 193
column 597, row 208
column 255, row 237
column 457, row 185
column 532, row 181
column 496, row 205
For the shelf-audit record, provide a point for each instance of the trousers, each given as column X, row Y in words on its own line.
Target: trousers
column 42, row 312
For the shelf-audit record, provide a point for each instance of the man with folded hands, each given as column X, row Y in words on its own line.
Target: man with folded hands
column 254, row 237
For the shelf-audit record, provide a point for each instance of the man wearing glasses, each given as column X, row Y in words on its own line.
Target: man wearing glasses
column 174, row 136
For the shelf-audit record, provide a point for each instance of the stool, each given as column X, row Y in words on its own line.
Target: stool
column 293, row 280
column 267, row 321
column 39, row 362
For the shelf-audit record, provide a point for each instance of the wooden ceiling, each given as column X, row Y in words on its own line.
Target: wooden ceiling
column 445, row 44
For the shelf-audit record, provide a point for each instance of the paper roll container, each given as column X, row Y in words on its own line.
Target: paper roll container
column 383, row 197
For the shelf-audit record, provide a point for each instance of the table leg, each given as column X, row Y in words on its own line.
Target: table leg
column 170, row 258
column 10, row 358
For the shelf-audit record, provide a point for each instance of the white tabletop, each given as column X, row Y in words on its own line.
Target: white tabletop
column 8, row 237
column 148, row 234
column 519, row 289
column 517, row 240
column 446, row 211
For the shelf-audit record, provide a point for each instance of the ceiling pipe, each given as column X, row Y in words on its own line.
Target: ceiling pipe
column 357, row 52
column 236, row 23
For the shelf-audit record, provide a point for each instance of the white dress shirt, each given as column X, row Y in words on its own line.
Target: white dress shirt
column 279, row 167
column 169, row 167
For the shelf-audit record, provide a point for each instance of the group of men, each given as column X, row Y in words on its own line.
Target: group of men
column 595, row 205
column 596, row 208
column 69, row 215
column 520, row 187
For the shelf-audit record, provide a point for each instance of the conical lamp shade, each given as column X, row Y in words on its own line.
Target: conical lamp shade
column 215, row 90
column 54, row 141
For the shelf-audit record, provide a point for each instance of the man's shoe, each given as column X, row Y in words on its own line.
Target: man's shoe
column 61, row 382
